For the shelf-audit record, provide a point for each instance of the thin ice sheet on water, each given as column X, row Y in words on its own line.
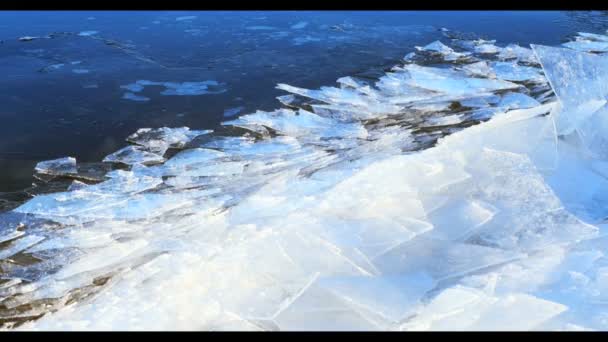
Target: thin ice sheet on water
column 159, row 140
column 438, row 47
column 61, row 166
column 452, row 82
column 133, row 155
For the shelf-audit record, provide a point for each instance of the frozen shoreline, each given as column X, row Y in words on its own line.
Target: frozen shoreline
column 350, row 219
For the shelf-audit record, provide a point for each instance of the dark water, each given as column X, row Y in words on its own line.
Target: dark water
column 62, row 96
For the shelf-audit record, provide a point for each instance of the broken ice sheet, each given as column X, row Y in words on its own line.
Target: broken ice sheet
column 61, row 166
column 481, row 69
column 514, row 100
column 578, row 80
column 301, row 123
column 133, row 155
column 520, row 54
column 159, row 140
column 511, row 71
column 20, row 245
column 587, row 46
column 364, row 222
column 592, row 36
column 391, row 297
column 452, row 82
column 448, row 53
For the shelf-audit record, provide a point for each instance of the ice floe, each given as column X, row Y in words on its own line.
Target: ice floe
column 173, row 88
column 299, row 25
column 134, row 97
column 233, row 111
column 187, row 18
column 87, row 33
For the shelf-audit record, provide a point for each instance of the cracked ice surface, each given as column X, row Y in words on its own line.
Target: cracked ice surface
column 366, row 206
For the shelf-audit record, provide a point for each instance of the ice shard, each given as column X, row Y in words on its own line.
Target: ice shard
column 61, row 166
column 578, row 79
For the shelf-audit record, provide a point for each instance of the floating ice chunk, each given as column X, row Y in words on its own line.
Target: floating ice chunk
column 80, row 71
column 589, row 42
column 448, row 53
column 174, row 88
column 233, row 111
column 511, row 71
column 87, row 33
column 587, row 46
column 133, row 155
column 593, row 36
column 480, row 46
column 28, row 38
column 61, row 166
column 299, row 25
column 349, row 81
column 56, row 66
column 260, row 28
column 187, row 17
column 436, row 46
column 513, row 100
column 134, row 87
column 133, row 97
column 189, row 88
